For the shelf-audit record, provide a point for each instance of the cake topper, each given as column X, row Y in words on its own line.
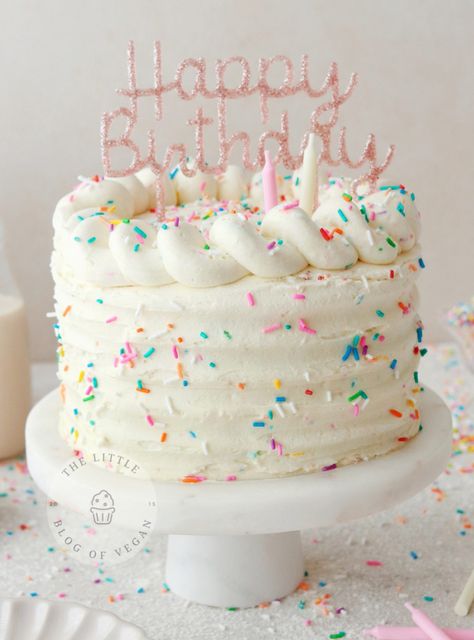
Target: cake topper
column 178, row 154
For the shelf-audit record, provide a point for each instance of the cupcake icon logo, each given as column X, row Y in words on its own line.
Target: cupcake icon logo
column 85, row 495
column 102, row 507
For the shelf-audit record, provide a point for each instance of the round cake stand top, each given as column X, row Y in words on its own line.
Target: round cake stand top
column 255, row 506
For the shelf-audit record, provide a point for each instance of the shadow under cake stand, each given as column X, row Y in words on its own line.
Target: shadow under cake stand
column 237, row 544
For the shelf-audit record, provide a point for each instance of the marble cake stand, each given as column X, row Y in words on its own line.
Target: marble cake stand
column 236, row 544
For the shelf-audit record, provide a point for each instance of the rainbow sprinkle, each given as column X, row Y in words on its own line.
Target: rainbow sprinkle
column 271, row 328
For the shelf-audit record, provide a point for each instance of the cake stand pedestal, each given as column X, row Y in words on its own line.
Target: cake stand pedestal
column 236, row 544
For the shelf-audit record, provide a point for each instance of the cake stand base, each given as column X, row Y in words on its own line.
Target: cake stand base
column 234, row 571
column 236, row 544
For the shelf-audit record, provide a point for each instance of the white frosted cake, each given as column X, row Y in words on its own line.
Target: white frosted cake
column 224, row 343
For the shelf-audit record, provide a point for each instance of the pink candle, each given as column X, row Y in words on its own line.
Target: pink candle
column 270, row 193
column 426, row 624
column 384, row 632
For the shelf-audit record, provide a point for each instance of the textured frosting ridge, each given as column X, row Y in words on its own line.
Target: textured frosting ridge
column 106, row 234
column 273, row 376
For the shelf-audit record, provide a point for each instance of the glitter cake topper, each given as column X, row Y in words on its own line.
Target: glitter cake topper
column 221, row 94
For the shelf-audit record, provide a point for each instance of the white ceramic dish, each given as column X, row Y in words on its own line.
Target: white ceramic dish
column 38, row 619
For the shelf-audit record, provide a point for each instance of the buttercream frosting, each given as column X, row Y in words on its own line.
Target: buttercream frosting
column 103, row 235
column 221, row 343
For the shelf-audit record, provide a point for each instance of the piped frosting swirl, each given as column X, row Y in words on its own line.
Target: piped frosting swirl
column 107, row 234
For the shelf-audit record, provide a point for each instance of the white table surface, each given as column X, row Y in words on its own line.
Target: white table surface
column 425, row 548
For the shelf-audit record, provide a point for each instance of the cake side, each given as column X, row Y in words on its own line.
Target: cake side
column 257, row 378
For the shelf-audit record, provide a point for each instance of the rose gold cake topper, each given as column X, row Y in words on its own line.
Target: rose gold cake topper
column 221, row 93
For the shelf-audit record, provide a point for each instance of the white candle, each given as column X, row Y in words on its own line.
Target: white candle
column 466, row 598
column 309, row 177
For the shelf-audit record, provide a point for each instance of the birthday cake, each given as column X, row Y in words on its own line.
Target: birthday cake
column 221, row 342
column 216, row 326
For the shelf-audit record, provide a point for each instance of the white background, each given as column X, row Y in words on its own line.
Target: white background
column 60, row 62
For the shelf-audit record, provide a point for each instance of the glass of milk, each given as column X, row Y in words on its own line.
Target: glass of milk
column 15, row 391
